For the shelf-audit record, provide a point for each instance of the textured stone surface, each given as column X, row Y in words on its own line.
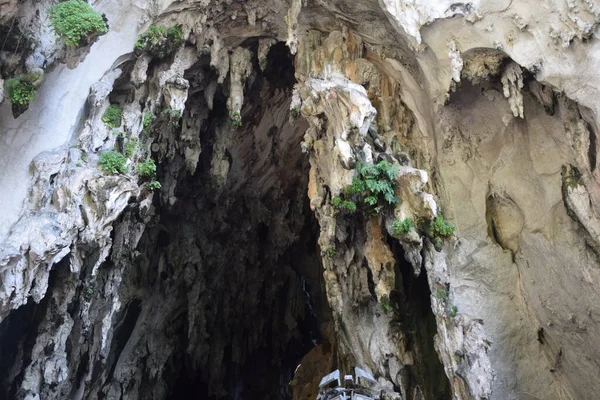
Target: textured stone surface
column 489, row 109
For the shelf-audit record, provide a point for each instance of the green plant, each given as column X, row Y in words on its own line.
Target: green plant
column 402, row 227
column 453, row 311
column 84, row 158
column 113, row 162
column 440, row 228
column 236, row 119
column 147, row 121
column 331, row 252
column 147, row 168
column 173, row 116
column 76, row 20
column 112, row 116
column 155, row 185
column 345, row 205
column 374, row 188
column 159, row 41
column 21, row 90
column 385, row 305
column 131, row 147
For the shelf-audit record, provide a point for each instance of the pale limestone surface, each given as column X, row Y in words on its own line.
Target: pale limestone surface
column 54, row 117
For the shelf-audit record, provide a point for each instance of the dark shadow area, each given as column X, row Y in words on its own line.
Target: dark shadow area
column 412, row 304
column 18, row 332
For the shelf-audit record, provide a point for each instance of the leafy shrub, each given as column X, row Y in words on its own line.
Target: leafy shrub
column 155, row 185
column 112, row 116
column 331, row 252
column 146, row 169
column 236, row 119
column 345, row 205
column 374, row 188
column 440, row 228
column 76, row 20
column 21, row 89
column 147, row 121
column 113, row 162
column 131, row 147
column 159, row 41
column 402, row 227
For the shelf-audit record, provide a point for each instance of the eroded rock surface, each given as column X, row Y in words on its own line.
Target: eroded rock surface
column 232, row 265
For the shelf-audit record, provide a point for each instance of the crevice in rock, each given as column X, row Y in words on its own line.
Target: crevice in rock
column 412, row 306
column 592, row 152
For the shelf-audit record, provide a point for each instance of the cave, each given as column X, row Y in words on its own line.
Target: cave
column 281, row 189
column 240, row 252
column 215, row 286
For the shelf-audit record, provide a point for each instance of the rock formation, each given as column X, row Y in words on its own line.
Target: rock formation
column 256, row 193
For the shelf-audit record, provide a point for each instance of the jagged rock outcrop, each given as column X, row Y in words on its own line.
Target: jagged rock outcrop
column 220, row 272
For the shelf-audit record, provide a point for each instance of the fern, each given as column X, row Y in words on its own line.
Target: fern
column 374, row 187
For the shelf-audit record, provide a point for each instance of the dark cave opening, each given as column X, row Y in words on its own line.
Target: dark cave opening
column 14, row 331
column 412, row 305
column 238, row 249
column 19, row 331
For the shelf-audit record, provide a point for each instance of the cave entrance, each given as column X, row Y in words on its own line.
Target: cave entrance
column 232, row 267
column 412, row 297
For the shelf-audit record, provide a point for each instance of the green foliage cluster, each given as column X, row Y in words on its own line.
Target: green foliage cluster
column 21, row 90
column 236, row 119
column 147, row 121
column 402, row 227
column 76, row 20
column 159, row 41
column 440, row 228
column 331, row 252
column 147, row 168
column 155, row 185
column 385, row 305
column 131, row 147
column 113, row 162
column 173, row 116
column 453, row 311
column 374, row 188
column 345, row 205
column 112, row 116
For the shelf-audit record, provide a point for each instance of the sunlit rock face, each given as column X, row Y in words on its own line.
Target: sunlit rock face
column 231, row 272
